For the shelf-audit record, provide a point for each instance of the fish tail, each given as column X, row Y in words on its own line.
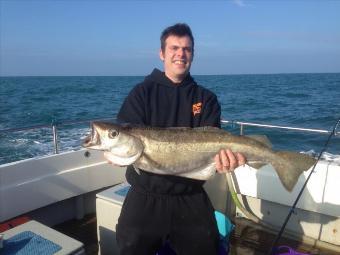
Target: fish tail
column 290, row 165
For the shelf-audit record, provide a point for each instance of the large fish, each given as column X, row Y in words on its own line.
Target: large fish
column 189, row 152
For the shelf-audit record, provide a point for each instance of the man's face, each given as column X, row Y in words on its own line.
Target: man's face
column 177, row 57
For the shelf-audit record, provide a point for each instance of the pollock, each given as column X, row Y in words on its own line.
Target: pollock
column 189, row 152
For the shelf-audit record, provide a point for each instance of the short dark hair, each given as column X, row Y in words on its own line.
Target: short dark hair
column 179, row 29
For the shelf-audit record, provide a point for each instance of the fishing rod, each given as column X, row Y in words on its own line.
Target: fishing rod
column 292, row 209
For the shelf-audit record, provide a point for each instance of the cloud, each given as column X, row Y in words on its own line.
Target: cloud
column 239, row 3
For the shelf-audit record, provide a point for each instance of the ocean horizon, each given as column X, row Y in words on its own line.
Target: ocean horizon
column 143, row 75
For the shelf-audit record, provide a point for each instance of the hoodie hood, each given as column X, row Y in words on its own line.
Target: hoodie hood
column 160, row 78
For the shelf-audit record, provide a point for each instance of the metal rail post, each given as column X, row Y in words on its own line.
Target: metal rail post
column 55, row 136
column 241, row 129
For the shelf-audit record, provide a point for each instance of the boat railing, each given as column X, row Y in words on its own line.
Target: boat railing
column 250, row 124
column 55, row 124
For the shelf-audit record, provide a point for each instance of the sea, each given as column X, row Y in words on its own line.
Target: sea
column 30, row 106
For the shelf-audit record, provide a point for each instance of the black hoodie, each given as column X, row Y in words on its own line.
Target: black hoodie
column 158, row 102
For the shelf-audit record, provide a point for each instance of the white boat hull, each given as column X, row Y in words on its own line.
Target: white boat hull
column 34, row 183
column 317, row 212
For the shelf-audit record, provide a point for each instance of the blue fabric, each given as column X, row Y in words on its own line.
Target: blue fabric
column 225, row 227
column 27, row 243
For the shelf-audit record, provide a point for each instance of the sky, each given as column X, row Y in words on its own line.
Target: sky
column 104, row 38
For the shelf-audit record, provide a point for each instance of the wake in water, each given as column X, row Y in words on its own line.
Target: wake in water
column 36, row 143
column 326, row 156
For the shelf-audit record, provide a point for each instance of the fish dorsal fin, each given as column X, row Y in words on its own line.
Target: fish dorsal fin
column 262, row 139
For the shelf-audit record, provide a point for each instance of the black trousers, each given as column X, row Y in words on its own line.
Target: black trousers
column 148, row 220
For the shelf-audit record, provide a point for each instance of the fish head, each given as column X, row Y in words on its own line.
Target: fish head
column 123, row 147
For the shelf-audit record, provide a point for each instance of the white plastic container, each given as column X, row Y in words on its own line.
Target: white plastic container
column 108, row 207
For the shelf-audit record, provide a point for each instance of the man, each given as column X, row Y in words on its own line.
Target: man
column 163, row 207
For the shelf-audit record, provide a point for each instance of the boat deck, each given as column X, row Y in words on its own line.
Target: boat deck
column 248, row 238
column 84, row 230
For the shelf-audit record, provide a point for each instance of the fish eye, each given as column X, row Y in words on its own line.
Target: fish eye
column 113, row 133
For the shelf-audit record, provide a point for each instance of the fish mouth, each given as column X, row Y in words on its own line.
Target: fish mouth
column 93, row 139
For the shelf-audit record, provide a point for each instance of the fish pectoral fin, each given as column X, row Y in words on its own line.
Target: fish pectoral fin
column 136, row 169
column 262, row 139
column 202, row 173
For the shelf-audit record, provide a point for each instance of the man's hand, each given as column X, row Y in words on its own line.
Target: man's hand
column 227, row 161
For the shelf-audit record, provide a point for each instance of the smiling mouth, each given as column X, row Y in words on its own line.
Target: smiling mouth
column 180, row 62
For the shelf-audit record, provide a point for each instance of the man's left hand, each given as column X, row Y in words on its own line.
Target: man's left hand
column 227, row 161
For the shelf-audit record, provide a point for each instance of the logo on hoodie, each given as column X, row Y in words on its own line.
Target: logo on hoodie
column 196, row 108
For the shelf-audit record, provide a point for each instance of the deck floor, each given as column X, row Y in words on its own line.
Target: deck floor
column 247, row 238
column 84, row 230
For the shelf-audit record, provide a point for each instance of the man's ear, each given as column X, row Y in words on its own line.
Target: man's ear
column 161, row 56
